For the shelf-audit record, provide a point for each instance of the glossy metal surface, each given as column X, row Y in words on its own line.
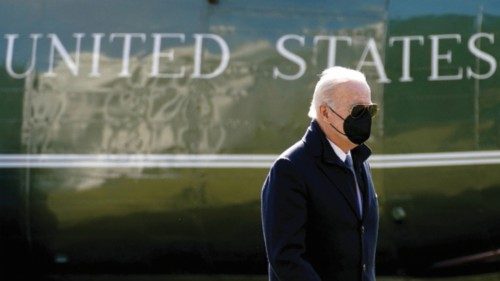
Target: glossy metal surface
column 192, row 219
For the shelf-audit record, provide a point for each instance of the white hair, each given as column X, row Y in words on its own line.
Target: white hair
column 329, row 79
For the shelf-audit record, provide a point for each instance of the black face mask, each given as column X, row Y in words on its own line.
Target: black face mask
column 358, row 129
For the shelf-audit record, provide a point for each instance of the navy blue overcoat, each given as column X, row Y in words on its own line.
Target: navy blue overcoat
column 312, row 228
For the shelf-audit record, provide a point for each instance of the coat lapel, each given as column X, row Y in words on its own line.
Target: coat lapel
column 367, row 189
column 331, row 165
column 343, row 185
column 360, row 155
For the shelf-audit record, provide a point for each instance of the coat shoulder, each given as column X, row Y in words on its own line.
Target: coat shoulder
column 297, row 155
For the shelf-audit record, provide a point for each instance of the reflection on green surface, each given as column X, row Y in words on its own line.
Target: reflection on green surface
column 167, row 219
column 199, row 220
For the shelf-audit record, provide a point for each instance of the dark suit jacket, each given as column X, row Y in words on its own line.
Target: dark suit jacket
column 312, row 229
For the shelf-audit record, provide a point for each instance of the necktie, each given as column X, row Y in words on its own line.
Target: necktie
column 348, row 162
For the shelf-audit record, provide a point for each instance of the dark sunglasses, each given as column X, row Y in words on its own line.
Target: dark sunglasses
column 359, row 109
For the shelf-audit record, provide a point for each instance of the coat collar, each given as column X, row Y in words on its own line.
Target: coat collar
column 316, row 142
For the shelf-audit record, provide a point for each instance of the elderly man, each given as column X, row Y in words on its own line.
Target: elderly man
column 319, row 206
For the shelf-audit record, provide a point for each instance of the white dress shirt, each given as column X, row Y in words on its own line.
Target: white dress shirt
column 342, row 155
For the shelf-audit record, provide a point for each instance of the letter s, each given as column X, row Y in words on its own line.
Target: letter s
column 481, row 55
column 280, row 46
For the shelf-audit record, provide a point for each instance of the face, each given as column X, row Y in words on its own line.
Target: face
column 346, row 96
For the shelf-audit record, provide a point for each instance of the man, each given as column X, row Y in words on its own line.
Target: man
column 319, row 207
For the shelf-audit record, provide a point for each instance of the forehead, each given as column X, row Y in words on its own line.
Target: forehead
column 352, row 92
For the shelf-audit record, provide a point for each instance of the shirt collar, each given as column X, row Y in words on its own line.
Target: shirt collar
column 340, row 153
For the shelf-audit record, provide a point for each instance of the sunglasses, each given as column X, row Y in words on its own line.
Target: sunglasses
column 359, row 109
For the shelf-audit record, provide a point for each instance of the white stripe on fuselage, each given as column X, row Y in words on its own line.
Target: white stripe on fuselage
column 232, row 160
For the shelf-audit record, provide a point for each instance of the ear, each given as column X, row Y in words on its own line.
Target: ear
column 323, row 112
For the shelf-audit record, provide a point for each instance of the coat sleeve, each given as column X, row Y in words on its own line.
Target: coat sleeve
column 284, row 215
